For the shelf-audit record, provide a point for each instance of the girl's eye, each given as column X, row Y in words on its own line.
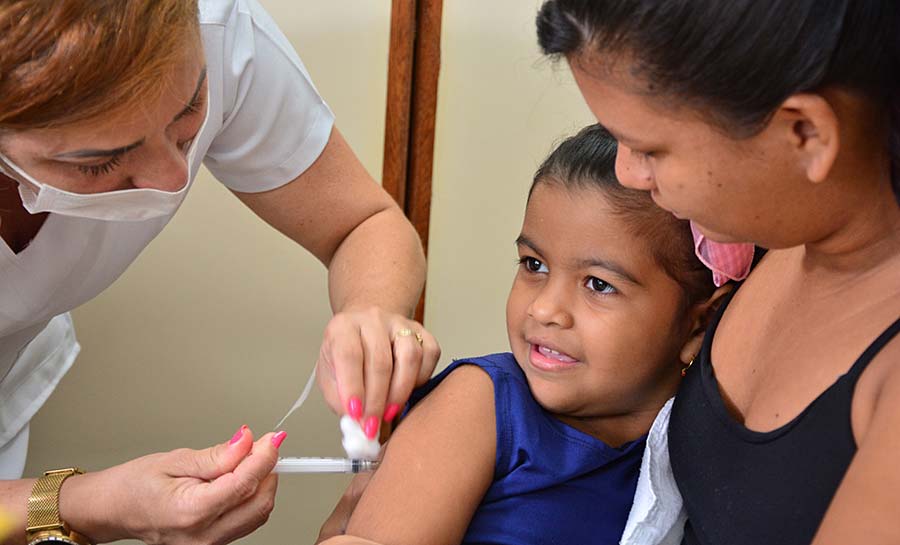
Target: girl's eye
column 101, row 169
column 532, row 265
column 642, row 155
column 595, row 284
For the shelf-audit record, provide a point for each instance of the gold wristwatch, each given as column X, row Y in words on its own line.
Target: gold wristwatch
column 44, row 524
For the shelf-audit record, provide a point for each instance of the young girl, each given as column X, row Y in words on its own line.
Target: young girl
column 770, row 121
column 544, row 444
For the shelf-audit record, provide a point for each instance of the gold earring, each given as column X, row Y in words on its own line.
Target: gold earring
column 688, row 366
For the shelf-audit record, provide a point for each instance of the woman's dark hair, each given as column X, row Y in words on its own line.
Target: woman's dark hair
column 740, row 59
column 588, row 160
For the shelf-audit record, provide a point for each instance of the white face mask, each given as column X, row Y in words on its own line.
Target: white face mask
column 122, row 205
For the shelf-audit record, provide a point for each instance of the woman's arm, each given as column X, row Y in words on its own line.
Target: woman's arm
column 865, row 507
column 437, row 467
column 376, row 270
column 185, row 496
column 341, row 215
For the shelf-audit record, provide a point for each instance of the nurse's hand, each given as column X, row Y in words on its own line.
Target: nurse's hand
column 370, row 361
column 216, row 495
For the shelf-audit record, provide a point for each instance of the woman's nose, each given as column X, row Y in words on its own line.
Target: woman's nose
column 165, row 168
column 633, row 171
column 550, row 306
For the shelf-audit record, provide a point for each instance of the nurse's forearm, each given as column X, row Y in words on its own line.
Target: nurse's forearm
column 13, row 499
column 380, row 263
column 80, row 505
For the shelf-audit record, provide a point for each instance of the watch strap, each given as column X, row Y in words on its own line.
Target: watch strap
column 43, row 504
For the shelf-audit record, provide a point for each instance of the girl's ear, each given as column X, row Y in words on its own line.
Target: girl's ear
column 701, row 314
column 812, row 131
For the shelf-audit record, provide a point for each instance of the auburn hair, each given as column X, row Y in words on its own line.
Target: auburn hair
column 66, row 61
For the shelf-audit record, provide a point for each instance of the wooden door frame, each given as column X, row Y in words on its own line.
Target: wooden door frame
column 414, row 61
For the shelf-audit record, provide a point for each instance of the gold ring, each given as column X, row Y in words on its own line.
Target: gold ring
column 406, row 332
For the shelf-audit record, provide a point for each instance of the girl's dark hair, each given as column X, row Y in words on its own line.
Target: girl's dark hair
column 740, row 59
column 588, row 160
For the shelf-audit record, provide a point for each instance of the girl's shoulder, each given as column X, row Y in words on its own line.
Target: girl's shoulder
column 499, row 369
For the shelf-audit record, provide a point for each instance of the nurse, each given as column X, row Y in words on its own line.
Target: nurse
column 107, row 110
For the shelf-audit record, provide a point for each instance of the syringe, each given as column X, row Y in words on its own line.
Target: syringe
column 324, row 465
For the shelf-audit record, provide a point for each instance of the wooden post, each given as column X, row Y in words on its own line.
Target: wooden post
column 399, row 98
column 414, row 65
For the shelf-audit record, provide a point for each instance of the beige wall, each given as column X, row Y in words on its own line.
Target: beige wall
column 501, row 107
column 218, row 323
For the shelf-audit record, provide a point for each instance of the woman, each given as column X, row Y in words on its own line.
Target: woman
column 773, row 122
column 769, row 122
column 106, row 111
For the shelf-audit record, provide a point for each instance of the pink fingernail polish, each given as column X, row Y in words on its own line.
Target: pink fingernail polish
column 279, row 438
column 355, row 408
column 371, row 427
column 237, row 435
column 391, row 412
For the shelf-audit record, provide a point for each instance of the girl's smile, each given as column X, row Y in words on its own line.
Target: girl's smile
column 544, row 358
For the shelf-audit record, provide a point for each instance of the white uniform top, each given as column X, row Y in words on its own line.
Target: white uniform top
column 266, row 125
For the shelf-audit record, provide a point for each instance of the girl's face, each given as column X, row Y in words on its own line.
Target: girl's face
column 144, row 148
column 596, row 325
column 735, row 190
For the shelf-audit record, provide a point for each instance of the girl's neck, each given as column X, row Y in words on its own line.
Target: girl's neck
column 615, row 430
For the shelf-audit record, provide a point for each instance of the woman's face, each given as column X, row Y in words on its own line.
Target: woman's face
column 143, row 148
column 735, row 190
column 595, row 323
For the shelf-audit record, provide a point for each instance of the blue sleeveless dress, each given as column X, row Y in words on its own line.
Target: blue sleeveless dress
column 552, row 483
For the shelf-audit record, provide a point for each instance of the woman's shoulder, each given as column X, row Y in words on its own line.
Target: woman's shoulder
column 230, row 12
column 267, row 122
column 221, row 12
column 216, row 12
column 878, row 389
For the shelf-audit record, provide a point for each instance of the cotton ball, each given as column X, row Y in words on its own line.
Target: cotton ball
column 357, row 445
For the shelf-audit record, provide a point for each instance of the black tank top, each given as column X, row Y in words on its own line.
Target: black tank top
column 746, row 487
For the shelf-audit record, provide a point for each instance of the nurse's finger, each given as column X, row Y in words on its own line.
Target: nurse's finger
column 431, row 353
column 407, row 362
column 236, row 487
column 327, row 381
column 379, row 365
column 209, row 464
column 414, row 363
column 342, row 354
column 248, row 516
